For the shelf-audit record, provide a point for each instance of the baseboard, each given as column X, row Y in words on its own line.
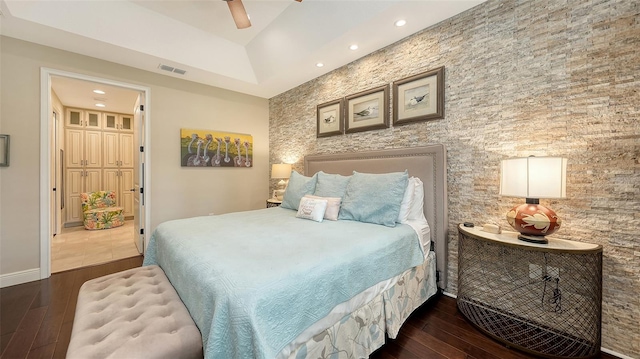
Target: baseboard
column 24, row 276
column 611, row 352
column 449, row 294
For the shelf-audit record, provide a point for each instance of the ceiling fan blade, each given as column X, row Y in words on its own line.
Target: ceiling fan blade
column 239, row 14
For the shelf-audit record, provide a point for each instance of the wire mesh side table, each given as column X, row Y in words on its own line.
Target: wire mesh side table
column 544, row 299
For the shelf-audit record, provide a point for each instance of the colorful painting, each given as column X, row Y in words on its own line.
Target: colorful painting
column 205, row 148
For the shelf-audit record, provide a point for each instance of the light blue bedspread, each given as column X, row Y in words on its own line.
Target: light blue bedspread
column 254, row 280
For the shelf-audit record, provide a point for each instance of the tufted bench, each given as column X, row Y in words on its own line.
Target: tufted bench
column 133, row 314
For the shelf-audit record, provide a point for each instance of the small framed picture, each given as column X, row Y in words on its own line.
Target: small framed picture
column 419, row 97
column 330, row 119
column 367, row 110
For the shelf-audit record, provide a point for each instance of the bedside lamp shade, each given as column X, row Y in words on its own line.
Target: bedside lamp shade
column 282, row 171
column 534, row 178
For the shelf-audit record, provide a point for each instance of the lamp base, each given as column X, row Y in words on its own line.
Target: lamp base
column 278, row 194
column 533, row 220
column 533, row 239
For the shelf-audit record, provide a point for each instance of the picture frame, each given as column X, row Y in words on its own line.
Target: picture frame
column 419, row 97
column 330, row 118
column 367, row 110
column 4, row 150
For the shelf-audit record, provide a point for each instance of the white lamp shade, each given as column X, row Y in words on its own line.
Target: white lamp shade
column 281, row 170
column 534, row 177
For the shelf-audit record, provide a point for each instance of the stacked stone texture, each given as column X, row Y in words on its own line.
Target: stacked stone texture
column 544, row 78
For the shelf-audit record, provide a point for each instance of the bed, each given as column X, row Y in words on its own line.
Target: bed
column 267, row 284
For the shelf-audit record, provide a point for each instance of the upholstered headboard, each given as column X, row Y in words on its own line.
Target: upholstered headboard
column 427, row 163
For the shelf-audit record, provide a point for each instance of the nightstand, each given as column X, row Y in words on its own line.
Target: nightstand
column 272, row 202
column 545, row 299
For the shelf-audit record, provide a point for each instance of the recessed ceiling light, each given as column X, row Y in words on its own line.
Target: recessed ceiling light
column 400, row 23
column 100, row 105
column 99, row 92
column 319, row 64
column 353, row 47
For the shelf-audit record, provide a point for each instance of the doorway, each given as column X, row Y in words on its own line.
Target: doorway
column 53, row 185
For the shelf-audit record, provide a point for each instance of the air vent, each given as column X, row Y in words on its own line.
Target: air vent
column 172, row 69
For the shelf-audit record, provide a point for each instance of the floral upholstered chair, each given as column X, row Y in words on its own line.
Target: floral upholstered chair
column 100, row 211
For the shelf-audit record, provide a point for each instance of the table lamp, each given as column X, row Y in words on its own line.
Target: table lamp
column 533, row 178
column 283, row 172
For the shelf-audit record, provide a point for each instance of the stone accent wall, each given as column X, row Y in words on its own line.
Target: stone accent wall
column 522, row 78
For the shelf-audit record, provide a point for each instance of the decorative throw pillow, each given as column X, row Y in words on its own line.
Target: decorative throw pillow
column 312, row 208
column 333, row 206
column 331, row 185
column 416, row 211
column 374, row 198
column 299, row 186
column 407, row 200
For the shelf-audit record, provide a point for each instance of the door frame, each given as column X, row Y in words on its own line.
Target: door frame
column 46, row 108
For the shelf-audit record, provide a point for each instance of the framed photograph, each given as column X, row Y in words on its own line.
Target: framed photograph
column 419, row 97
column 4, row 150
column 367, row 110
column 330, row 119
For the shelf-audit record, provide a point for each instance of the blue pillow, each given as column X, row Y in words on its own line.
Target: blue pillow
column 331, row 185
column 374, row 198
column 298, row 187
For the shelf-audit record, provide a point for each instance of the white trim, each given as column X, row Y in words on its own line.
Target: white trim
column 24, row 276
column 45, row 110
column 45, row 178
column 450, row 295
column 611, row 352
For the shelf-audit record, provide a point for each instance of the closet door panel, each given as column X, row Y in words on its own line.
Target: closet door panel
column 126, row 123
column 74, row 118
column 110, row 153
column 93, row 120
column 126, row 150
column 74, row 187
column 110, row 121
column 93, row 148
column 126, row 184
column 93, row 180
column 111, row 182
column 74, row 141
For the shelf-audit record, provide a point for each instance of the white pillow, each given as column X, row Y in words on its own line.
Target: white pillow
column 407, row 200
column 416, row 210
column 333, row 206
column 312, row 208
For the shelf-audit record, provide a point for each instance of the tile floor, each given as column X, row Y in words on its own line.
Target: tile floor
column 77, row 247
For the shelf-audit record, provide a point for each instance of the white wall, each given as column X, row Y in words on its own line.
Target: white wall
column 176, row 192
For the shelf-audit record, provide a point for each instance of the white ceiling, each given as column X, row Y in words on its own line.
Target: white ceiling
column 79, row 94
column 277, row 53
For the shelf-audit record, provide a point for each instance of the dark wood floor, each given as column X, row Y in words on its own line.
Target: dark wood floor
column 36, row 320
